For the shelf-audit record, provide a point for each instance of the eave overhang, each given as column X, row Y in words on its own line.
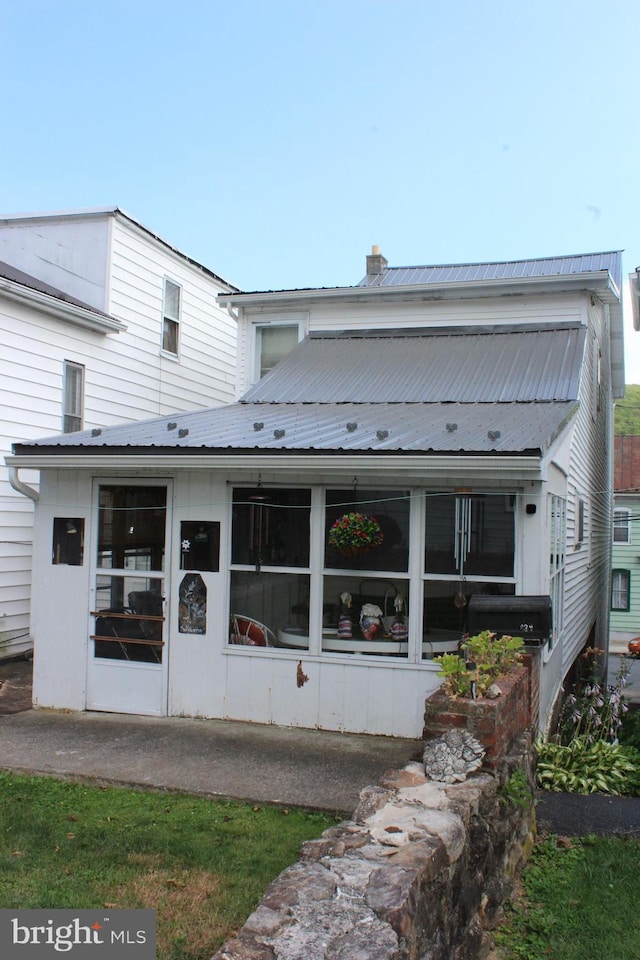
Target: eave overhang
column 514, row 467
column 599, row 281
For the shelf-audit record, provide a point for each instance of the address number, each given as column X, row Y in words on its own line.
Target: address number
column 527, row 627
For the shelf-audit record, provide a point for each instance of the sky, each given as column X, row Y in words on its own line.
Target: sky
column 275, row 141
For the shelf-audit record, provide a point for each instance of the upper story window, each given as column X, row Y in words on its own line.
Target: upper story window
column 622, row 526
column 73, row 399
column 171, row 316
column 273, row 342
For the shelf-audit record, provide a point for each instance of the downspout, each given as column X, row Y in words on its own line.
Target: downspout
column 21, row 487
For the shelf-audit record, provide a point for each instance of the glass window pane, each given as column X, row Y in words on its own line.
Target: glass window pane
column 346, row 548
column 131, row 527
column 275, row 343
column 269, row 609
column 365, row 616
column 271, row 527
column 171, row 300
column 445, row 611
column 170, row 336
column 129, row 618
column 470, row 535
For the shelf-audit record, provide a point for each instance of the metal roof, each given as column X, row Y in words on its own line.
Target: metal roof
column 503, row 428
column 451, row 365
column 566, row 266
column 491, row 391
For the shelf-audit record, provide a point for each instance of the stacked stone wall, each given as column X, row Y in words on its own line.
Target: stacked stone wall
column 421, row 872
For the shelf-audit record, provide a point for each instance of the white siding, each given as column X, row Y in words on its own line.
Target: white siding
column 69, row 254
column 586, row 613
column 127, row 377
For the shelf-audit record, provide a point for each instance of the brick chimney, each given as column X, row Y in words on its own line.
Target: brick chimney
column 376, row 263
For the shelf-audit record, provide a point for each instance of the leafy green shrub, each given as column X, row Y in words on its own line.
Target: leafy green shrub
column 584, row 766
column 516, row 792
column 629, row 733
column 488, row 657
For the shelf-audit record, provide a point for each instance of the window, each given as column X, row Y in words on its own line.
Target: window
column 622, row 526
column 620, row 592
column 171, row 317
column 273, row 342
column 557, row 559
column 73, row 401
column 129, row 586
column 469, row 549
column 579, row 528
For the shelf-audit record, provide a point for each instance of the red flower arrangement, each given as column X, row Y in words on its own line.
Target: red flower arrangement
column 355, row 533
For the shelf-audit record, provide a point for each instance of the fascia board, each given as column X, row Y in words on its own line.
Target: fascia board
column 485, row 467
column 599, row 281
column 80, row 316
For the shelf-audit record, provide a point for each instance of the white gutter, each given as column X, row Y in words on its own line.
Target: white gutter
column 599, row 280
column 63, row 310
column 21, row 487
column 425, row 465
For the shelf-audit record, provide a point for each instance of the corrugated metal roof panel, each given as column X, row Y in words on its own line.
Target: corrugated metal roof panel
column 498, row 364
column 503, row 428
column 609, row 261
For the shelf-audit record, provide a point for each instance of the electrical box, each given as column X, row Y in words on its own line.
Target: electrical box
column 526, row 617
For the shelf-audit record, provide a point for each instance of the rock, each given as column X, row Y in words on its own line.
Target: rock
column 452, row 756
column 493, row 691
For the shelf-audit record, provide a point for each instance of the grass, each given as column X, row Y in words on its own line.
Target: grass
column 202, row 864
column 579, row 900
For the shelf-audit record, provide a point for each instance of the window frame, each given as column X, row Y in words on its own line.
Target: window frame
column 624, row 525
column 258, row 327
column 77, row 412
column 622, row 572
column 557, row 563
column 171, row 324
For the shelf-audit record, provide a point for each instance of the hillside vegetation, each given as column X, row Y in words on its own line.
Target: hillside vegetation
column 627, row 420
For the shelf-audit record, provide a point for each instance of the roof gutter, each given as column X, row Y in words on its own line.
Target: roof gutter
column 599, row 280
column 62, row 309
column 21, row 487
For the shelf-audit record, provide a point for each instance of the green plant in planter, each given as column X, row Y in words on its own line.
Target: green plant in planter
column 488, row 657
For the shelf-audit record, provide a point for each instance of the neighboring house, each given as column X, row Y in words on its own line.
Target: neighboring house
column 101, row 323
column 625, row 560
column 468, row 408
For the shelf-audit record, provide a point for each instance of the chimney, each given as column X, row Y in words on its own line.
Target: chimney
column 376, row 263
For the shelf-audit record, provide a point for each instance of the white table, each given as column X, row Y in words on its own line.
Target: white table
column 294, row 638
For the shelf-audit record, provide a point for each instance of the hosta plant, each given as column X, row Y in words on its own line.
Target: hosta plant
column 584, row 766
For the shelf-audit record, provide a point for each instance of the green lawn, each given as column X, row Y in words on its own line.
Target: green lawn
column 202, row 864
column 579, row 902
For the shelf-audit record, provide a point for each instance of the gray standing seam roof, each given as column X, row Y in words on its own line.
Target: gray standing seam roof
column 505, row 392
column 453, row 365
column 610, row 262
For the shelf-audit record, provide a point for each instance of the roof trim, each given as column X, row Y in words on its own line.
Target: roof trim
column 600, row 280
column 511, row 466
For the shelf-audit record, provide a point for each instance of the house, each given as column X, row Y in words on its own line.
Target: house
column 463, row 413
column 102, row 323
column 625, row 560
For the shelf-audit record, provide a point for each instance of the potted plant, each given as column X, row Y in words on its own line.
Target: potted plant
column 486, row 692
column 355, row 533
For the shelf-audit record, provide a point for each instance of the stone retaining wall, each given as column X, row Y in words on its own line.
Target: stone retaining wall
column 419, row 873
